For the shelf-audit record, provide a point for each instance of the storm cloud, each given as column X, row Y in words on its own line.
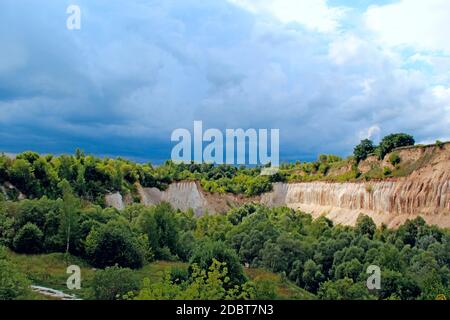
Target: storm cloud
column 137, row 70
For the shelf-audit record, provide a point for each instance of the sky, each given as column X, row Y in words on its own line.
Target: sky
column 325, row 73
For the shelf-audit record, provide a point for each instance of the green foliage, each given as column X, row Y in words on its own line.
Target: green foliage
column 28, row 239
column 208, row 251
column 265, row 290
column 211, row 283
column 312, row 276
column 61, row 216
column 394, row 158
column 392, row 141
column 4, row 168
column 387, row 171
column 113, row 283
column 159, row 224
column 114, row 243
column 13, row 284
column 343, row 289
column 365, row 226
column 363, row 149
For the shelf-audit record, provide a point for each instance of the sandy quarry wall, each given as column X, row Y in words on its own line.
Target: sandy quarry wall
column 389, row 202
column 425, row 192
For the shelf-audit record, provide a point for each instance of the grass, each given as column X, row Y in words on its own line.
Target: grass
column 375, row 173
column 285, row 289
column 405, row 169
column 49, row 270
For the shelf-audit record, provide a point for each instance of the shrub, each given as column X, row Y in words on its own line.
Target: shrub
column 28, row 239
column 394, row 159
column 209, row 251
column 114, row 243
column 13, row 284
column 113, row 283
column 343, row 289
column 387, row 171
column 439, row 144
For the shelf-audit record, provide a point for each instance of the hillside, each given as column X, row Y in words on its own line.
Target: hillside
column 390, row 194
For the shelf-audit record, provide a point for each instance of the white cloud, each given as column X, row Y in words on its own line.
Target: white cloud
column 422, row 24
column 372, row 133
column 314, row 14
column 442, row 95
column 345, row 49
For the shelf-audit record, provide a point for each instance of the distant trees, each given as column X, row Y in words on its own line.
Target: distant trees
column 387, row 144
column 363, row 149
column 365, row 226
column 392, row 141
column 90, row 178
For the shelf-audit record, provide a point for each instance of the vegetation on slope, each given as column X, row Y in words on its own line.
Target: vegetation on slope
column 90, row 177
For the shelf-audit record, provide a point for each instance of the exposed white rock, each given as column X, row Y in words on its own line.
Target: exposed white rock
column 115, row 200
column 53, row 293
column 181, row 195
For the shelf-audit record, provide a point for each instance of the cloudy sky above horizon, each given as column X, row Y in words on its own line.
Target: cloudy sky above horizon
column 326, row 73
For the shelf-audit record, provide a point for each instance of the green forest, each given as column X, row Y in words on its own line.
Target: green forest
column 211, row 257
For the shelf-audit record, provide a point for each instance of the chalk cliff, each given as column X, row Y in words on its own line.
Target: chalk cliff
column 424, row 192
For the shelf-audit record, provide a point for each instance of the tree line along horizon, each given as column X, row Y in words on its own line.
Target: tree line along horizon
column 91, row 177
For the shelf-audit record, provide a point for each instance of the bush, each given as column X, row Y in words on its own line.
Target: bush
column 114, row 243
column 394, row 159
column 387, row 171
column 13, row 284
column 113, row 283
column 439, row 144
column 205, row 254
column 28, row 239
column 343, row 289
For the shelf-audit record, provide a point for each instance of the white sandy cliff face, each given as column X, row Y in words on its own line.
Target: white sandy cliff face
column 425, row 192
column 182, row 195
column 389, row 202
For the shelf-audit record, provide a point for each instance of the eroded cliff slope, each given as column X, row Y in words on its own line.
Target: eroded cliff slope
column 423, row 191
